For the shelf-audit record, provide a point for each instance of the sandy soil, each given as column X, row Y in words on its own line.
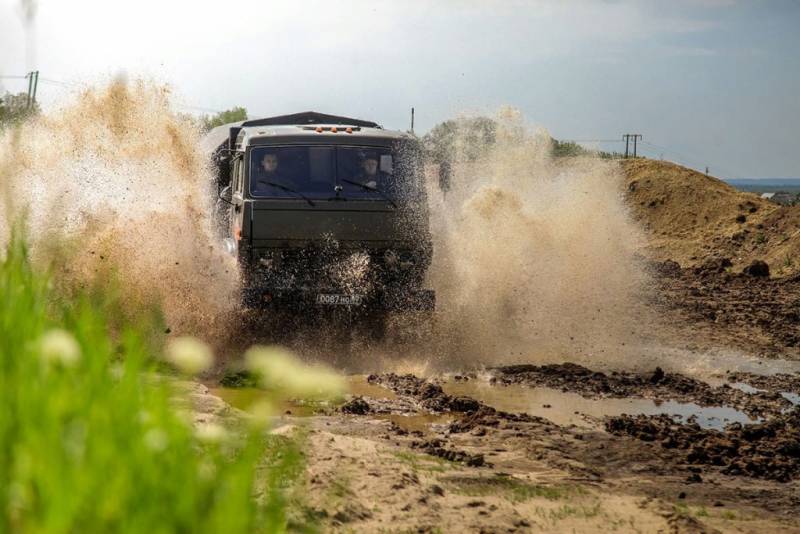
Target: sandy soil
column 473, row 453
column 691, row 218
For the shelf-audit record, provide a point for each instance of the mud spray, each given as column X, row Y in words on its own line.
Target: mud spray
column 535, row 256
column 115, row 183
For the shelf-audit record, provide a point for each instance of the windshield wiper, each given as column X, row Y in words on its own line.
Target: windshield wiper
column 290, row 190
column 370, row 188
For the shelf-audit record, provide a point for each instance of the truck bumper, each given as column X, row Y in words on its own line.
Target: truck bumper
column 320, row 299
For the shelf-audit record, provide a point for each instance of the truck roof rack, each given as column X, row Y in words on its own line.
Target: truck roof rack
column 309, row 117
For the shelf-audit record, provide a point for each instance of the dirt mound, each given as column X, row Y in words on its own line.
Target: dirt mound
column 768, row 450
column 691, row 218
column 760, row 313
column 430, row 396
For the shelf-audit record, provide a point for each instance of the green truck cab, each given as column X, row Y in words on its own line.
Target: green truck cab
column 324, row 211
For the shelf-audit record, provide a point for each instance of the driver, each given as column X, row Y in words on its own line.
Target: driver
column 268, row 171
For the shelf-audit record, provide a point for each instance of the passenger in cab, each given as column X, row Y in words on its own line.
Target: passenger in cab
column 370, row 175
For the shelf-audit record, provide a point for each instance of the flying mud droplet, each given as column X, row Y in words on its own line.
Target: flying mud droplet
column 535, row 256
column 115, row 184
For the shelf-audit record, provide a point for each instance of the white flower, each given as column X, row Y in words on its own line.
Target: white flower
column 260, row 412
column 206, row 470
column 211, row 433
column 279, row 370
column 59, row 347
column 189, row 355
column 156, row 439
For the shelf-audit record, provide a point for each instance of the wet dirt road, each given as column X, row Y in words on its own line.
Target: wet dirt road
column 569, row 446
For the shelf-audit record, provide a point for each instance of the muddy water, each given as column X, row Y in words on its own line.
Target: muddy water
column 562, row 408
column 245, row 398
column 532, row 254
column 114, row 186
column 572, row 409
column 794, row 398
column 711, row 366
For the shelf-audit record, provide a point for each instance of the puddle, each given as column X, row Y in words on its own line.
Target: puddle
column 570, row 408
column 747, row 388
column 358, row 385
column 794, row 398
column 245, row 398
column 713, row 364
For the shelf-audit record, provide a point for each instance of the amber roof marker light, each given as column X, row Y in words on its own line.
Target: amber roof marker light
column 334, row 130
column 319, row 129
column 349, row 130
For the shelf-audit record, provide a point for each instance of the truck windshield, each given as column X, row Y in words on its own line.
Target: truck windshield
column 315, row 171
column 309, row 170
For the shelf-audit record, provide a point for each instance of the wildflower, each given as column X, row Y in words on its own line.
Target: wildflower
column 260, row 413
column 156, row 439
column 206, row 470
column 279, row 370
column 211, row 433
column 189, row 355
column 59, row 347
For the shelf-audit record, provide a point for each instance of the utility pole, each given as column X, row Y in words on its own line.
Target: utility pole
column 627, row 138
column 33, row 84
column 412, row 120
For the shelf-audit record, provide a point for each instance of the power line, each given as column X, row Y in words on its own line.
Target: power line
column 56, row 82
column 627, row 138
column 37, row 78
column 699, row 162
column 590, row 140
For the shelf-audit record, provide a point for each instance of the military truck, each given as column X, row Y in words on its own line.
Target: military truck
column 323, row 212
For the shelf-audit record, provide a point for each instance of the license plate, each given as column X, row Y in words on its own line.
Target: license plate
column 328, row 299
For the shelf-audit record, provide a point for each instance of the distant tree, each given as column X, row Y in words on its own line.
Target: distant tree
column 469, row 136
column 224, row 117
column 565, row 149
column 14, row 109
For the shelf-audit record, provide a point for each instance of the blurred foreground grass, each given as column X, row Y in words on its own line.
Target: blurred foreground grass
column 91, row 441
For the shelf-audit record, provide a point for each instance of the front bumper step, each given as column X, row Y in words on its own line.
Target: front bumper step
column 309, row 299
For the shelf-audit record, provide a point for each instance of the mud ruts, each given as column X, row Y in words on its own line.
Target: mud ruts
column 769, row 450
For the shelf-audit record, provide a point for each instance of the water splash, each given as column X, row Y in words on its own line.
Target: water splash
column 115, row 182
column 535, row 256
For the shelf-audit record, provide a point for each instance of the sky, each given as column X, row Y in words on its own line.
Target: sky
column 706, row 82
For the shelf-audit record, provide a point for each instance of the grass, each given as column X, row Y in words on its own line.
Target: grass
column 424, row 462
column 511, row 488
column 89, row 442
column 554, row 515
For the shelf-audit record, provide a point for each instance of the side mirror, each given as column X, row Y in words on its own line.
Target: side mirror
column 226, row 194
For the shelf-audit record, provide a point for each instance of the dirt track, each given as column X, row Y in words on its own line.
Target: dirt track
column 422, row 460
column 569, row 447
column 419, row 455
